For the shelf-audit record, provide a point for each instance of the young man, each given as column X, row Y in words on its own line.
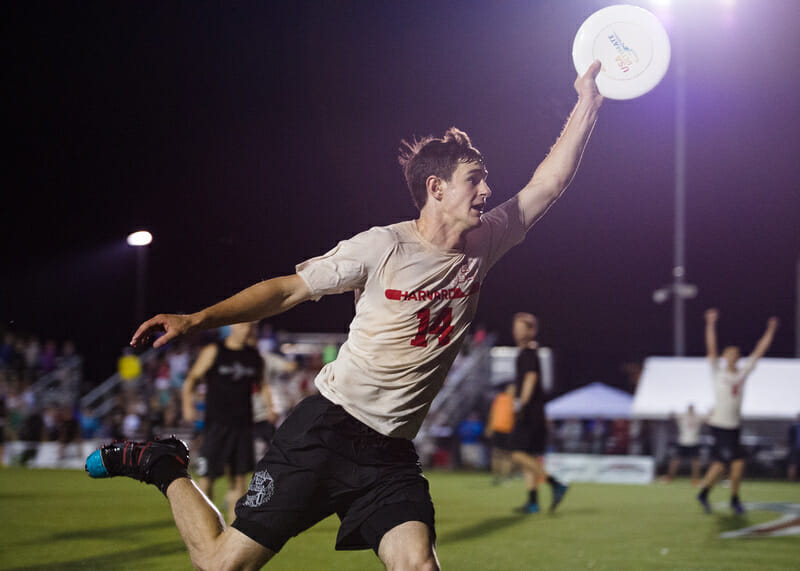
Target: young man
column 348, row 450
column 529, row 437
column 689, row 426
column 230, row 369
column 726, row 418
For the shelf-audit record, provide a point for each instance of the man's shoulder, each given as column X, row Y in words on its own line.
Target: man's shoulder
column 378, row 236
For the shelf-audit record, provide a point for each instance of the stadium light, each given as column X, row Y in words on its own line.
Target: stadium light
column 139, row 240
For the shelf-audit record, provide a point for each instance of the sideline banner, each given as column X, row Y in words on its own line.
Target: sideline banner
column 601, row 469
column 50, row 454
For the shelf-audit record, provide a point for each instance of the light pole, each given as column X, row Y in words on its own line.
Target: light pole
column 140, row 240
column 679, row 290
column 797, row 313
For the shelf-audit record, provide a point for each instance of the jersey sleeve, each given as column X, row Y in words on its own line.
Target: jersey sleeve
column 529, row 362
column 345, row 267
column 503, row 228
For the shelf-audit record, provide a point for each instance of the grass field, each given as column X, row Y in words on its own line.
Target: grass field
column 62, row 520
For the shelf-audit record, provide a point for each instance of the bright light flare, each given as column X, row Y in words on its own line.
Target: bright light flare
column 140, row 238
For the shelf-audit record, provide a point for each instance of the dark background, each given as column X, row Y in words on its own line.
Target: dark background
column 249, row 137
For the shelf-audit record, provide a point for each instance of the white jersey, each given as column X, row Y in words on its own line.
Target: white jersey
column 689, row 426
column 728, row 393
column 414, row 305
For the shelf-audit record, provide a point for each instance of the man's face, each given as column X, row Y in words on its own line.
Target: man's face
column 731, row 355
column 522, row 331
column 464, row 195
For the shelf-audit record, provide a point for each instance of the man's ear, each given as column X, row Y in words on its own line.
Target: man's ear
column 434, row 186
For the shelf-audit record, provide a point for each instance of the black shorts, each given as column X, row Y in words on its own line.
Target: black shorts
column 500, row 440
column 689, row 451
column 323, row 461
column 227, row 446
column 793, row 458
column 726, row 446
column 529, row 435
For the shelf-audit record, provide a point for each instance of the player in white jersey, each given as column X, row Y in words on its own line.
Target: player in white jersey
column 689, row 426
column 725, row 420
column 348, row 450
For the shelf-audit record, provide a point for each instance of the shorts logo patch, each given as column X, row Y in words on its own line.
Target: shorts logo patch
column 262, row 488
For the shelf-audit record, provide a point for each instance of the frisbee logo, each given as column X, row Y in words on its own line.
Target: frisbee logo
column 626, row 57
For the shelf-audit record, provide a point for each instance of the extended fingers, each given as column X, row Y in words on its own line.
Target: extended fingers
column 145, row 329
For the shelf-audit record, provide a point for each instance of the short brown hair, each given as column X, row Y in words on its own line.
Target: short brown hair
column 528, row 318
column 438, row 157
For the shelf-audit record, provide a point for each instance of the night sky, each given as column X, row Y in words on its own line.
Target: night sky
column 252, row 136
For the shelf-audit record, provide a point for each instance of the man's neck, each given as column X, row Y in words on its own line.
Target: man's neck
column 441, row 234
column 233, row 344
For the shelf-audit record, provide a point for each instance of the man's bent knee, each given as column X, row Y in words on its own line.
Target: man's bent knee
column 408, row 546
column 232, row 550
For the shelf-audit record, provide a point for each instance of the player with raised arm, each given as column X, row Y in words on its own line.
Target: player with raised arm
column 348, row 450
column 726, row 417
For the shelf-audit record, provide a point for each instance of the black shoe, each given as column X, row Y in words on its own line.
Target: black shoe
column 529, row 508
column 703, row 499
column 737, row 507
column 136, row 459
column 559, row 491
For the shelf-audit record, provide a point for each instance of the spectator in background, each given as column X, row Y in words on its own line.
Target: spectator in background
column 597, row 433
column 619, row 439
column 689, row 426
column 132, row 421
column 572, row 435
column 3, row 420
column 32, row 351
column 68, row 430
column 129, row 366
column 264, row 417
column 179, row 360
column 469, row 434
column 499, row 427
column 7, row 349
column 794, row 449
column 47, row 358
column 90, row 424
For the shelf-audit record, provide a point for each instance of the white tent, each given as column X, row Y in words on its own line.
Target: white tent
column 592, row 401
column 669, row 384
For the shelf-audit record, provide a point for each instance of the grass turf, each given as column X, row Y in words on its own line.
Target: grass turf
column 59, row 519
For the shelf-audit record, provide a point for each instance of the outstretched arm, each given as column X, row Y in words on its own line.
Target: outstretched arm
column 261, row 300
column 712, row 352
column 766, row 340
column 204, row 362
column 554, row 174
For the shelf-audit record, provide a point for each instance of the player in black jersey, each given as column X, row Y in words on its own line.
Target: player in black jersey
column 529, row 437
column 229, row 368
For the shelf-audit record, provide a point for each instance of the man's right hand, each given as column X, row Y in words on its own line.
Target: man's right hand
column 173, row 326
column 712, row 315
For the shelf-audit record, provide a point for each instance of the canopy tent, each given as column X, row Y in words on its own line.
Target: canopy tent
column 592, row 401
column 670, row 384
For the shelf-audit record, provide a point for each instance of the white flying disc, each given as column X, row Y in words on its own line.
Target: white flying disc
column 631, row 44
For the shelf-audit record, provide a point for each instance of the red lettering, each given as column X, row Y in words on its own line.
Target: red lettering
column 393, row 294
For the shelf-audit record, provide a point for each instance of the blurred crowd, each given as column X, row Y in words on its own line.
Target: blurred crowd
column 146, row 402
column 39, row 383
